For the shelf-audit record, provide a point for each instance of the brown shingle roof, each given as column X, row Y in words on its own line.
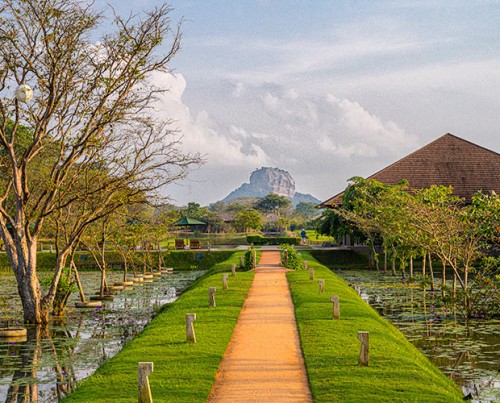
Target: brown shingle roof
column 449, row 160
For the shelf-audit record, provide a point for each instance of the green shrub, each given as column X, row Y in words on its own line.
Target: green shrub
column 282, row 240
column 290, row 258
column 248, row 261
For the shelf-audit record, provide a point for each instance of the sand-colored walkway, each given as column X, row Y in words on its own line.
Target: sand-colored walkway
column 264, row 362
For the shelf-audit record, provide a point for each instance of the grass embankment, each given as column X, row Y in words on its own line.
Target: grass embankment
column 398, row 372
column 182, row 372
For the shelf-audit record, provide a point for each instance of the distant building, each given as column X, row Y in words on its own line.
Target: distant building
column 448, row 161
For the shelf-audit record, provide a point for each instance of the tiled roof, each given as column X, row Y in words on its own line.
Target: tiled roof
column 449, row 160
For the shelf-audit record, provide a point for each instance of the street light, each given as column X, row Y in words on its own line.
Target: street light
column 24, row 93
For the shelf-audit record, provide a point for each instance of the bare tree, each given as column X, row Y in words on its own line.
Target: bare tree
column 87, row 139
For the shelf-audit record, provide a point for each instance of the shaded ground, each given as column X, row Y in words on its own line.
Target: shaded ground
column 264, row 362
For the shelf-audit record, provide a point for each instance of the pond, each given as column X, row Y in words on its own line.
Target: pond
column 466, row 351
column 49, row 365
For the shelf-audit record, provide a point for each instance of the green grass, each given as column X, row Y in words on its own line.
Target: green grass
column 183, row 372
column 398, row 372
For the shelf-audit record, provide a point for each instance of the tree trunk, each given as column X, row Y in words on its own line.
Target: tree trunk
column 424, row 263
column 431, row 270
column 385, row 261
column 443, row 283
column 23, row 257
column 411, row 267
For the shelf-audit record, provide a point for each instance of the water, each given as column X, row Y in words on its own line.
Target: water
column 466, row 351
column 50, row 364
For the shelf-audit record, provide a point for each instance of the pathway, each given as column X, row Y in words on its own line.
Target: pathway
column 264, row 362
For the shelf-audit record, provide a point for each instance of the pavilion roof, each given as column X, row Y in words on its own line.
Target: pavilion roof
column 448, row 160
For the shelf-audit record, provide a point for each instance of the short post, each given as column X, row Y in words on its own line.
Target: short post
column 233, row 270
column 211, row 297
column 145, row 368
column 254, row 259
column 321, row 284
column 311, row 274
column 241, row 262
column 364, row 338
column 190, row 336
column 336, row 307
column 306, row 265
column 224, row 281
column 286, row 257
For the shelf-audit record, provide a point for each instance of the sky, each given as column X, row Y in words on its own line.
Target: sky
column 325, row 90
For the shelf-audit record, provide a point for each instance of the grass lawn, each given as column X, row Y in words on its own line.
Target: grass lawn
column 398, row 372
column 182, row 372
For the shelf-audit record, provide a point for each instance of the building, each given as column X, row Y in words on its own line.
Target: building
column 449, row 161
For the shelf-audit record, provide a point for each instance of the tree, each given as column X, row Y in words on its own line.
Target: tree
column 90, row 115
column 272, row 203
column 249, row 219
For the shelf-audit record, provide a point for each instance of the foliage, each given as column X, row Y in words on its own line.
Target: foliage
column 262, row 240
column 248, row 220
column 272, row 203
column 199, row 260
column 248, row 261
column 290, row 258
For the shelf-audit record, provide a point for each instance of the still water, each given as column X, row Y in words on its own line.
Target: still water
column 466, row 351
column 50, row 364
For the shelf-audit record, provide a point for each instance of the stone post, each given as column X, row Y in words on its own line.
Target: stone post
column 321, row 284
column 241, row 262
column 311, row 274
column 254, row 260
column 224, row 281
column 145, row 368
column 233, row 270
column 211, row 297
column 364, row 352
column 336, row 306
column 306, row 265
column 190, row 336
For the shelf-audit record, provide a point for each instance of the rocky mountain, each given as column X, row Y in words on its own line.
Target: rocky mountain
column 267, row 180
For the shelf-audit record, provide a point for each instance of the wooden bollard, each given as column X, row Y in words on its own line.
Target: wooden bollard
column 190, row 336
column 306, row 265
column 233, row 270
column 364, row 352
column 145, row 368
column 311, row 274
column 211, row 297
column 254, row 259
column 321, row 284
column 224, row 281
column 241, row 262
column 336, row 307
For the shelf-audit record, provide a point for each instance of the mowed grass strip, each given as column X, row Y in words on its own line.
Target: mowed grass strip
column 183, row 372
column 398, row 372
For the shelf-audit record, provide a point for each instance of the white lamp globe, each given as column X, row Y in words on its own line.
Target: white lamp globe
column 24, row 93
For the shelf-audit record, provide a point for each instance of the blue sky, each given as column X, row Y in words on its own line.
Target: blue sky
column 326, row 90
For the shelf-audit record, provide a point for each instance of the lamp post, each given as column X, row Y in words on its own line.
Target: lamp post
column 24, row 93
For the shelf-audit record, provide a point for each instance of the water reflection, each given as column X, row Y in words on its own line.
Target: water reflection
column 466, row 351
column 54, row 358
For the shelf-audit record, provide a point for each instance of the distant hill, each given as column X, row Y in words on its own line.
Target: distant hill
column 265, row 180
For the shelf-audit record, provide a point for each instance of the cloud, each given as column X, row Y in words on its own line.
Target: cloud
column 272, row 125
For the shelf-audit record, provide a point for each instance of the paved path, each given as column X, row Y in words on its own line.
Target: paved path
column 264, row 362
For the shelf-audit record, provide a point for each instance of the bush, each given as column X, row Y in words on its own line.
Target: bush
column 290, row 258
column 281, row 240
column 248, row 261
